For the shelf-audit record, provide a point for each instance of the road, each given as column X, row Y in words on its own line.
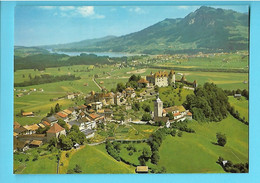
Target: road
column 96, row 83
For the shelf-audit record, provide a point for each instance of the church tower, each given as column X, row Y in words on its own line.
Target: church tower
column 158, row 107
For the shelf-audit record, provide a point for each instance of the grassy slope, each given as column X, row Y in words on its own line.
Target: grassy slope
column 240, row 105
column 94, row 159
column 46, row 164
column 196, row 153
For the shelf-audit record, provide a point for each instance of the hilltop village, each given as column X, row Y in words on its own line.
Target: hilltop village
column 99, row 108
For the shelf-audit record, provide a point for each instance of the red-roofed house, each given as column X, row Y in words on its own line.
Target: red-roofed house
column 189, row 116
column 55, row 131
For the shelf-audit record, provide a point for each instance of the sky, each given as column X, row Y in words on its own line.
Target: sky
column 45, row 25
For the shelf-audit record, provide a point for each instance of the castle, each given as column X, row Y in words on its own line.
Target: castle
column 161, row 78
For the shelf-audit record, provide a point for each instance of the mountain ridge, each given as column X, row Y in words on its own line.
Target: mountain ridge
column 206, row 29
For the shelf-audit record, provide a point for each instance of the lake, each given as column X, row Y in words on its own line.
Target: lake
column 110, row 54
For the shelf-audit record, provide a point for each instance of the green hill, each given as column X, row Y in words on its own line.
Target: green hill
column 206, row 29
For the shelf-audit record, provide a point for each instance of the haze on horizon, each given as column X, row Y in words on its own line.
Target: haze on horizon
column 46, row 25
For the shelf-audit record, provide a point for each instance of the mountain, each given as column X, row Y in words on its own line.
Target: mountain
column 205, row 30
column 80, row 44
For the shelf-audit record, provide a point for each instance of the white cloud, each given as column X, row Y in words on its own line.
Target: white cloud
column 86, row 11
column 66, row 8
column 74, row 11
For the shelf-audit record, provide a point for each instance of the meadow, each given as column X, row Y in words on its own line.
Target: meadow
column 94, row 159
column 46, row 163
column 197, row 153
column 241, row 105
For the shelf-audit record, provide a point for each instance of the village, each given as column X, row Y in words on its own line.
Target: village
column 99, row 109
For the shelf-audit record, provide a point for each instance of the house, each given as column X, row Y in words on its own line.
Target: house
column 46, row 123
column 16, row 125
column 88, row 133
column 143, row 83
column 19, row 95
column 130, row 92
column 55, row 131
column 35, row 143
column 51, row 119
column 70, row 96
column 95, row 117
column 73, row 111
column 96, row 105
column 67, row 111
column 21, row 130
column 189, row 116
column 20, row 145
column 41, row 125
column 31, row 129
column 28, row 114
column 108, row 113
column 141, row 169
column 237, row 95
column 79, row 123
column 63, row 116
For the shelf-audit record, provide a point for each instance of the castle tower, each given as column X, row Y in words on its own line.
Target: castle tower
column 171, row 77
column 158, row 107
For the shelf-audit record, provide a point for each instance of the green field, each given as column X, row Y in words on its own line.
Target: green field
column 94, row 159
column 45, row 164
column 224, row 80
column 237, row 61
column 197, row 153
column 241, row 105
column 124, row 153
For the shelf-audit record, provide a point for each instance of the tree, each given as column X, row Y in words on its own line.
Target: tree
column 146, row 117
column 146, row 153
column 57, row 108
column 156, row 88
column 63, row 124
column 77, row 169
column 221, row 138
column 180, row 134
column 173, row 132
column 22, row 111
column 120, row 87
column 155, row 157
column 146, row 107
column 142, row 160
column 170, row 115
column 74, row 128
column 42, row 130
column 136, row 106
column 65, row 142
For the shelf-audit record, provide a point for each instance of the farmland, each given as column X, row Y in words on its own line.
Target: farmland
column 176, row 153
column 101, row 162
column 195, row 152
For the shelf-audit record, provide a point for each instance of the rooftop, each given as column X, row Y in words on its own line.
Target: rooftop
column 55, row 128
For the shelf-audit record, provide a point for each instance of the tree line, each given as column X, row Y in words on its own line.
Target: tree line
column 42, row 61
column 46, row 78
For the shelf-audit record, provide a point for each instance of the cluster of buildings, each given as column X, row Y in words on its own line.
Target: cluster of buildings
column 99, row 100
column 85, row 117
column 179, row 112
column 163, row 78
